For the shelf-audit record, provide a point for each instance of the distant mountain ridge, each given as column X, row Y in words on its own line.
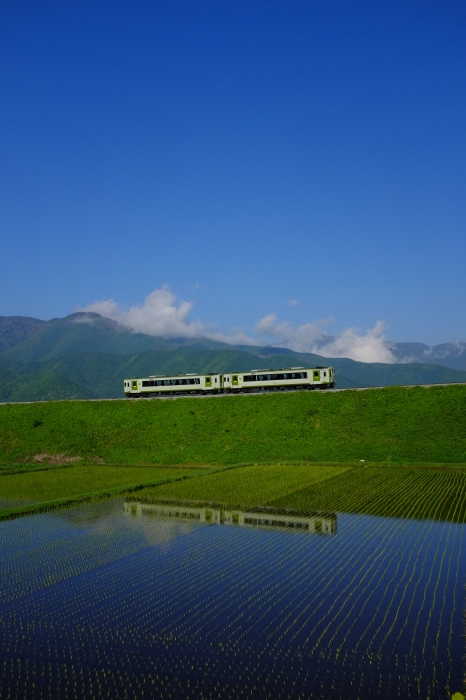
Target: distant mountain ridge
column 85, row 355
column 451, row 355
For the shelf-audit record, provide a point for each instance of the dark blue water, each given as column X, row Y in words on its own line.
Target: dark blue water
column 95, row 603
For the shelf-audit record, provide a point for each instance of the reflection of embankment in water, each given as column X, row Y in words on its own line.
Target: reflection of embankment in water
column 316, row 523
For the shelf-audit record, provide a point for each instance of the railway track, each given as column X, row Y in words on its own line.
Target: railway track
column 239, row 393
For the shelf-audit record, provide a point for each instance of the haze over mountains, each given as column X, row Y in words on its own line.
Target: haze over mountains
column 86, row 355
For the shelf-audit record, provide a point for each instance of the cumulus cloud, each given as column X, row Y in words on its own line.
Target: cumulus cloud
column 368, row 346
column 159, row 315
column 293, row 302
column 371, row 346
column 299, row 339
column 162, row 314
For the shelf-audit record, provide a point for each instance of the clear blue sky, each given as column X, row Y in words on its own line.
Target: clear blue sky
column 244, row 153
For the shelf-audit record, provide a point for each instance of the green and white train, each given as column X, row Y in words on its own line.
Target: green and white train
column 232, row 382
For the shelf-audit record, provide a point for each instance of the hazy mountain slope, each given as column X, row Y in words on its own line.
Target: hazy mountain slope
column 81, row 333
column 379, row 374
column 15, row 330
column 23, row 383
column 447, row 354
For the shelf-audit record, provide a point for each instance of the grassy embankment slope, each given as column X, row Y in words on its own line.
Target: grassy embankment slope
column 395, row 425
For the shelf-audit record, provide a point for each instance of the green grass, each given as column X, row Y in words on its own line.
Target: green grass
column 393, row 425
column 53, row 484
column 253, row 485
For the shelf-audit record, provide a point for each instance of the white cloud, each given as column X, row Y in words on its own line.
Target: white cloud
column 299, row 339
column 162, row 314
column 369, row 346
column 293, row 302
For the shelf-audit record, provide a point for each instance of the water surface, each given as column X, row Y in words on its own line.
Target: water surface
column 121, row 600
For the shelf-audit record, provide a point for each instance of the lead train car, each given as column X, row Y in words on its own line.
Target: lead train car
column 232, row 382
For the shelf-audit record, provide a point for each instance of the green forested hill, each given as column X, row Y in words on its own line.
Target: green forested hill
column 380, row 425
column 86, row 356
column 100, row 375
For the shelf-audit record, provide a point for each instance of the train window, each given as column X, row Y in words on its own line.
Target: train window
column 197, row 381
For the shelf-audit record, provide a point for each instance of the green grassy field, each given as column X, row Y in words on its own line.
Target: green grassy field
column 51, row 484
column 393, row 425
column 253, row 485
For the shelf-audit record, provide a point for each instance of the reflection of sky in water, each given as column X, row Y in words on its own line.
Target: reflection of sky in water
column 97, row 601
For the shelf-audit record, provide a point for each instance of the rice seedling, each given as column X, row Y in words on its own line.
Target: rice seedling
column 59, row 483
column 249, row 485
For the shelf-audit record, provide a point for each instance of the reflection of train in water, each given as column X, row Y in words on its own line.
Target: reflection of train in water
column 232, row 382
column 320, row 523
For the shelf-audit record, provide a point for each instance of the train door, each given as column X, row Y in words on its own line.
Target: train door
column 234, row 380
column 208, row 382
column 134, row 385
column 316, row 375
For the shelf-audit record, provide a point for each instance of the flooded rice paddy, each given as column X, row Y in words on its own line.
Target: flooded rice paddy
column 127, row 600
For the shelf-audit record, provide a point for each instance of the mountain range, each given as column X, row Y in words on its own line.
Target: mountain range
column 85, row 355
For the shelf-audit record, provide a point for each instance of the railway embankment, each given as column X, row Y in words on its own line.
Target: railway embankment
column 393, row 425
